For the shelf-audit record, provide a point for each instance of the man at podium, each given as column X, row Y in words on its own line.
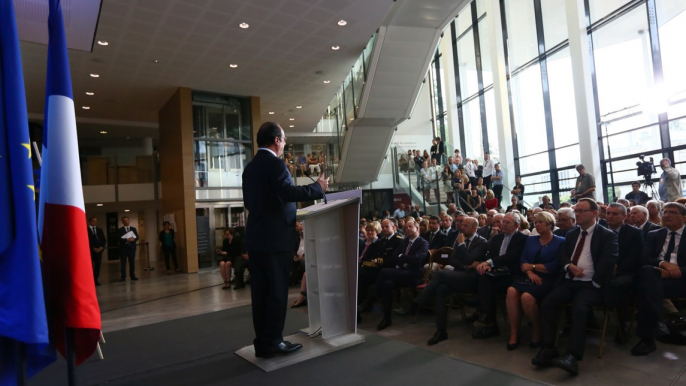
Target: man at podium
column 270, row 198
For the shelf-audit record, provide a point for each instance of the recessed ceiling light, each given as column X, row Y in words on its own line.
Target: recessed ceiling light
column 98, row 204
column 90, row 93
column 271, row 113
column 327, row 81
column 342, row 22
column 233, row 65
column 335, row 48
column 244, row 25
column 95, row 76
column 126, row 210
column 291, row 119
column 156, row 61
column 85, row 107
column 103, row 132
column 291, row 125
column 103, row 43
column 298, row 107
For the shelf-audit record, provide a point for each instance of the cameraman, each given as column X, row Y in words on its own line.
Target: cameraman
column 670, row 182
column 636, row 194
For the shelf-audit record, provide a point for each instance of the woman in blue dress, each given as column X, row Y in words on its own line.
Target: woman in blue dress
column 539, row 264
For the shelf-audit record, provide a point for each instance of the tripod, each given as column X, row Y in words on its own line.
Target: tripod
column 649, row 188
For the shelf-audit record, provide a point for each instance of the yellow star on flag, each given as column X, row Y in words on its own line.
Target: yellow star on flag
column 28, row 147
column 33, row 189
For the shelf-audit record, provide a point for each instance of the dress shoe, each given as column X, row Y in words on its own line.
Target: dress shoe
column 545, row 357
column 486, row 332
column 439, row 336
column 284, row 347
column 661, row 330
column 644, row 347
column 512, row 346
column 386, row 322
column 567, row 363
column 134, row 278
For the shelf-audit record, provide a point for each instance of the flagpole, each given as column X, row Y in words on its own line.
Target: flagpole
column 71, row 357
column 21, row 364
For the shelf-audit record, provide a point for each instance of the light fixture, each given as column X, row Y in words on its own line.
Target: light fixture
column 103, row 132
column 298, row 107
column 271, row 113
column 244, row 25
column 98, row 205
column 85, row 107
column 327, row 81
column 335, row 48
column 90, row 93
column 103, row 43
column 233, row 65
column 95, row 76
column 291, row 125
column 342, row 22
column 291, row 119
column 156, row 61
column 126, row 210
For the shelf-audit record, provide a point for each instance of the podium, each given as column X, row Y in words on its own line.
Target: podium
column 330, row 233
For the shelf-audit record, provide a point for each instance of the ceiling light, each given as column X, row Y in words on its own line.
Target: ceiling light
column 103, row 43
column 298, row 107
column 342, row 22
column 126, row 210
column 156, row 61
column 291, row 119
column 85, row 107
column 291, row 125
column 335, row 48
column 95, row 76
column 233, row 65
column 90, row 93
column 271, row 113
column 103, row 132
column 327, row 81
column 244, row 25
column 98, row 204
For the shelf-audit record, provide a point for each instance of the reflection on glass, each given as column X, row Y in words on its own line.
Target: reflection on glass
column 601, row 8
column 472, row 130
column 527, row 98
column 634, row 142
column 492, row 126
column 469, row 83
column 562, row 102
column 220, row 164
column 534, row 163
column 554, row 22
column 521, row 32
column 671, row 17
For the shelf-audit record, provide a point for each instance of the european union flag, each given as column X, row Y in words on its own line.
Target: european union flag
column 22, row 307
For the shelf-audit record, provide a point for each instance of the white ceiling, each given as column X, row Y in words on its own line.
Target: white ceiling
column 195, row 41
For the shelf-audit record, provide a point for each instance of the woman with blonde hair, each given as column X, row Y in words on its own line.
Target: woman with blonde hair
column 490, row 202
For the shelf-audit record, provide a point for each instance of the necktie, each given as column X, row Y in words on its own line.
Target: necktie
column 503, row 246
column 670, row 247
column 431, row 238
column 466, row 243
column 577, row 252
column 127, row 229
column 409, row 245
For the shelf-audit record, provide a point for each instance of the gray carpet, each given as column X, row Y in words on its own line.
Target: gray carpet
column 199, row 351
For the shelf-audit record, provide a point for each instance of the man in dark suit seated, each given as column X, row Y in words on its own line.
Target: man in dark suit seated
column 495, row 274
column 406, row 262
column 566, row 221
column 434, row 236
column 639, row 219
column 459, row 276
column 587, row 258
column 485, row 231
column 96, row 244
column 270, row 198
column 629, row 261
column 416, row 212
column 377, row 258
column 447, row 229
column 662, row 277
column 127, row 248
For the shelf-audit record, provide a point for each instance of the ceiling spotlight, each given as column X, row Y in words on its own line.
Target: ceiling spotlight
column 103, row 132
column 90, row 93
column 291, row 119
column 95, row 76
column 98, row 204
column 291, row 125
column 327, row 81
column 103, row 43
column 342, row 22
column 156, row 61
column 271, row 113
column 85, row 107
column 335, row 48
column 126, row 210
column 233, row 65
column 298, row 107
column 244, row 25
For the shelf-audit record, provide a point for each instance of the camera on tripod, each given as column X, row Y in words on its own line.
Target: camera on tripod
column 645, row 168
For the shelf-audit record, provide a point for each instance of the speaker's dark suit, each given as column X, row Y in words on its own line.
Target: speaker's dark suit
column 647, row 228
column 582, row 294
column 437, row 242
column 406, row 272
column 269, row 197
column 127, row 251
column 96, row 240
column 446, row 282
column 652, row 287
column 490, row 286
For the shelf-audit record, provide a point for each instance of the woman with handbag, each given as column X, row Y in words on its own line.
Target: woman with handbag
column 539, row 267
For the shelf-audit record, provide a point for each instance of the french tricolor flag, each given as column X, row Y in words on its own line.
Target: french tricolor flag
column 68, row 277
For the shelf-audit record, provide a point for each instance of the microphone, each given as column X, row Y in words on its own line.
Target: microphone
column 325, row 202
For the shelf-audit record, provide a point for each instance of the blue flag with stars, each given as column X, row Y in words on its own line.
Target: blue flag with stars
column 22, row 307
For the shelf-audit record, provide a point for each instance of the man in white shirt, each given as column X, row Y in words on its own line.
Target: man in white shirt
column 400, row 212
column 489, row 169
column 470, row 169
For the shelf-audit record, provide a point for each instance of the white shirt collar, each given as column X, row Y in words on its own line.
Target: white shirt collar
column 268, row 149
column 590, row 229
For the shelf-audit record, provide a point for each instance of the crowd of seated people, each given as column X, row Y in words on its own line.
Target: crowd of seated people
column 582, row 255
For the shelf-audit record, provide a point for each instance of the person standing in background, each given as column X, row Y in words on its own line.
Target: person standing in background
column 168, row 246
column 96, row 243
column 488, row 170
column 585, row 183
column 127, row 248
column 670, row 182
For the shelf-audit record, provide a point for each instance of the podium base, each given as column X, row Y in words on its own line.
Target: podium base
column 312, row 348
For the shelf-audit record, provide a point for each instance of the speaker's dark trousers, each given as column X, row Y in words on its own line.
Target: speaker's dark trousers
column 269, row 277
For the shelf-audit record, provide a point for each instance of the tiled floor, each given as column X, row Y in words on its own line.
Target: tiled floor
column 158, row 297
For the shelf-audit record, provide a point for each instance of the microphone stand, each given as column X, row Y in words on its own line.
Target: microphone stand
column 325, row 202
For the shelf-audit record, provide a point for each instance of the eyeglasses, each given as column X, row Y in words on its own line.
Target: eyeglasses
column 580, row 211
column 674, row 212
column 282, row 138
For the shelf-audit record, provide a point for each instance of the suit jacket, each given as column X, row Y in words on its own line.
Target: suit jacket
column 463, row 256
column 371, row 254
column 451, row 237
column 413, row 260
column 125, row 246
column 270, row 197
column 561, row 233
column 602, row 222
column 96, row 242
column 604, row 250
column 485, row 231
column 386, row 248
column 630, row 250
column 438, row 240
column 512, row 254
column 647, row 228
column 655, row 242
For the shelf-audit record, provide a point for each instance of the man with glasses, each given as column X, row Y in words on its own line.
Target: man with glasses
column 566, row 221
column 662, row 277
column 587, row 258
column 270, row 198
